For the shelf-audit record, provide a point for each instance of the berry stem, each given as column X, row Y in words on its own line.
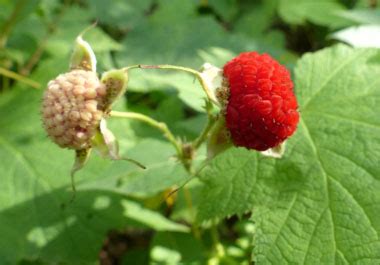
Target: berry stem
column 211, row 119
column 152, row 122
column 196, row 73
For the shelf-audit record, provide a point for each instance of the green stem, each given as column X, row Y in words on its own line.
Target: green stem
column 52, row 27
column 210, row 123
column 197, row 74
column 19, row 78
column 204, row 134
column 156, row 124
column 5, row 84
column 189, row 202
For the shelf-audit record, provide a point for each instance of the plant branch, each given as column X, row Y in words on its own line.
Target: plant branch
column 19, row 78
column 197, row 74
column 210, row 122
column 52, row 27
column 152, row 122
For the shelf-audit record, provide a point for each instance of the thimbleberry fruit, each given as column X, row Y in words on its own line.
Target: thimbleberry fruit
column 70, row 108
column 259, row 104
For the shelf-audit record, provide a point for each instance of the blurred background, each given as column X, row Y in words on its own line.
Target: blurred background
column 120, row 215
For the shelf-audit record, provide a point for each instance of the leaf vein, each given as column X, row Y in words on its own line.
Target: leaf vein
column 331, row 76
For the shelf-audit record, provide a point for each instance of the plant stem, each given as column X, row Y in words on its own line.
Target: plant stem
column 210, row 122
column 196, row 73
column 189, row 202
column 52, row 27
column 152, row 122
column 19, row 78
column 203, row 136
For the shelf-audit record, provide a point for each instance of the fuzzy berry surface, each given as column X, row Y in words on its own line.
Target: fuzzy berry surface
column 261, row 111
column 70, row 109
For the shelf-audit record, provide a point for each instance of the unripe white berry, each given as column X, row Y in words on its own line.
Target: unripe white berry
column 70, row 108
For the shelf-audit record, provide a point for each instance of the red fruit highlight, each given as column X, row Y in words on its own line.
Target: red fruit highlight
column 261, row 111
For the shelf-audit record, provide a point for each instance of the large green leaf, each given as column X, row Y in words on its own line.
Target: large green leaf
column 36, row 219
column 121, row 14
column 175, row 34
column 320, row 203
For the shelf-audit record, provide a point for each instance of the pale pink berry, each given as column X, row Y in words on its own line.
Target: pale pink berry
column 70, row 109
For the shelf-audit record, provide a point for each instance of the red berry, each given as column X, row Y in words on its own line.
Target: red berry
column 261, row 110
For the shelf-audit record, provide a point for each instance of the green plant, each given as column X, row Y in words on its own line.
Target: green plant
column 317, row 204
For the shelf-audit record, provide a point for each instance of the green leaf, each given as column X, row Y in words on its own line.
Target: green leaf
column 169, row 37
column 320, row 203
column 256, row 18
column 74, row 20
column 133, row 210
column 321, row 12
column 122, row 14
column 361, row 16
column 36, row 219
column 227, row 9
column 176, row 248
column 162, row 171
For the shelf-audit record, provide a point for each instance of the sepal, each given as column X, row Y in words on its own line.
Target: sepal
column 275, row 152
column 212, row 77
column 107, row 145
column 83, row 57
column 115, row 82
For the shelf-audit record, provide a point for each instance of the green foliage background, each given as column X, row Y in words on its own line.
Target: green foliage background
column 319, row 204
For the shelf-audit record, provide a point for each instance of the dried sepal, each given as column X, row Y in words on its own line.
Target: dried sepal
column 81, row 158
column 275, row 152
column 212, row 77
column 107, row 145
column 83, row 57
column 115, row 83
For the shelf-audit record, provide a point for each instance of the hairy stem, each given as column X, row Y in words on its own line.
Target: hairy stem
column 210, row 122
column 152, row 122
column 196, row 73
